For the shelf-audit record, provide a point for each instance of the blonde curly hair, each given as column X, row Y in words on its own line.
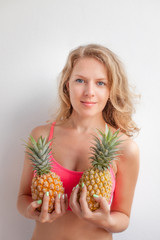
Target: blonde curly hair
column 119, row 108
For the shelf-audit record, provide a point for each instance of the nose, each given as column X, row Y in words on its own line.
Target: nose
column 89, row 90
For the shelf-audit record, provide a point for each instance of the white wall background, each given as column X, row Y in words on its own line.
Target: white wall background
column 35, row 38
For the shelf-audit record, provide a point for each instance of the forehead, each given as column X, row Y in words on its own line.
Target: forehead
column 88, row 65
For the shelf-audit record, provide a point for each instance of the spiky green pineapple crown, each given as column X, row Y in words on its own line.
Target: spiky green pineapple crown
column 105, row 150
column 39, row 155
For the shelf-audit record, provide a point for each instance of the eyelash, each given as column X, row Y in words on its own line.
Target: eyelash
column 81, row 80
column 103, row 84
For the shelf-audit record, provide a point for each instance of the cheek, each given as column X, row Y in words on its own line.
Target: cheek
column 104, row 95
column 75, row 91
column 104, row 99
column 74, row 95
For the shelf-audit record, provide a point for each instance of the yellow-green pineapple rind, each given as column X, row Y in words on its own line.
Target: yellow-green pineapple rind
column 97, row 182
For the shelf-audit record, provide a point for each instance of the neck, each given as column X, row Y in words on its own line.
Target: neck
column 86, row 124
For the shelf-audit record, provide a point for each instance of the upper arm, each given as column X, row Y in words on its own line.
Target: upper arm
column 126, row 178
column 27, row 173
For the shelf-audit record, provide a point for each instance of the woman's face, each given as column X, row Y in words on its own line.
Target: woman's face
column 88, row 87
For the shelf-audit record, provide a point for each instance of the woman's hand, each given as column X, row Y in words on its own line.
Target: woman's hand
column 100, row 217
column 61, row 205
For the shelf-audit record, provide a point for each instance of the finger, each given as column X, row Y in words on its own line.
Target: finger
column 103, row 202
column 83, row 203
column 74, row 205
column 32, row 209
column 63, row 205
column 66, row 201
column 44, row 209
column 57, row 204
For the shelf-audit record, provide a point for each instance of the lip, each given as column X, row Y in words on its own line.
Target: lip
column 88, row 103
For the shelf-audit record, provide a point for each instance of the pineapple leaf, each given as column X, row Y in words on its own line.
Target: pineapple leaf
column 109, row 135
column 36, row 158
column 115, row 134
column 34, row 143
column 39, row 154
column 44, row 141
column 105, row 149
column 46, row 149
column 39, row 143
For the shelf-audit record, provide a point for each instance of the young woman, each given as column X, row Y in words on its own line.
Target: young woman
column 94, row 94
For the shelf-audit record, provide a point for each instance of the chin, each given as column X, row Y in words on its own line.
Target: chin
column 89, row 114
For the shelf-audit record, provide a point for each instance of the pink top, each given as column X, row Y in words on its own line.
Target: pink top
column 71, row 178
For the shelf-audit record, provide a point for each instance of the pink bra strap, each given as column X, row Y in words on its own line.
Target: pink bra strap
column 51, row 131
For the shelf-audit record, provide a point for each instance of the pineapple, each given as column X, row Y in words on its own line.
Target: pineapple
column 97, row 178
column 44, row 180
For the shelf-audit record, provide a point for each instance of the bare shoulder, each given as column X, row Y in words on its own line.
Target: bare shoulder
column 129, row 157
column 130, row 148
column 129, row 153
column 127, row 174
column 42, row 130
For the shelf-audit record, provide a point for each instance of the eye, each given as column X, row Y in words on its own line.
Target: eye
column 79, row 80
column 100, row 83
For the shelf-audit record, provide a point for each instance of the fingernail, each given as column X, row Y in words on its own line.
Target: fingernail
column 66, row 195
column 39, row 201
column 82, row 184
column 73, row 189
column 77, row 185
column 47, row 194
column 59, row 195
column 94, row 195
column 63, row 196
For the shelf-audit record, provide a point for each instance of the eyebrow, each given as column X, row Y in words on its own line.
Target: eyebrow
column 97, row 79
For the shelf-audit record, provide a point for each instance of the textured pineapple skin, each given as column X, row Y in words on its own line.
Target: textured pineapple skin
column 97, row 182
column 46, row 183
